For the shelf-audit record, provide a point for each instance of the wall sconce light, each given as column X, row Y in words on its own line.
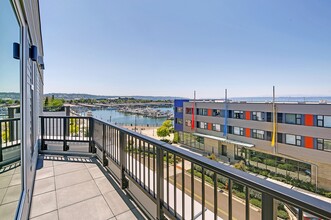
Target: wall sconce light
column 33, row 53
column 16, row 50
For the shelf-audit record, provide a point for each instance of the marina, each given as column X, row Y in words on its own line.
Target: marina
column 149, row 117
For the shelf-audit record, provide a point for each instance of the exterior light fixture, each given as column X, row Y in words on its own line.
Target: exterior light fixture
column 33, row 53
column 16, row 50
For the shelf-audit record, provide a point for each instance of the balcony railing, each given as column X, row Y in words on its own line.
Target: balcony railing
column 168, row 181
column 10, row 136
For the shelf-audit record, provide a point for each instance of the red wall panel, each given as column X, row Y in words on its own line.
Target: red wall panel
column 309, row 120
column 209, row 112
column 248, row 132
column 309, row 142
column 248, row 115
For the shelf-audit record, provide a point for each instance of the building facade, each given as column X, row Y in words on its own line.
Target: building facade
column 21, row 88
column 235, row 131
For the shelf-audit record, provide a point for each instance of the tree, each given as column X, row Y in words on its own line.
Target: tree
column 176, row 138
column 46, row 101
column 163, row 131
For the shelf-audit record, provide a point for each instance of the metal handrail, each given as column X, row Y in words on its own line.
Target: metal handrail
column 119, row 139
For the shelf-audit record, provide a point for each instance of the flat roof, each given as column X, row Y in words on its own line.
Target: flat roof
column 225, row 140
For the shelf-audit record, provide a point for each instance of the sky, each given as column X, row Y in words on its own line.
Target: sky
column 173, row 47
column 10, row 32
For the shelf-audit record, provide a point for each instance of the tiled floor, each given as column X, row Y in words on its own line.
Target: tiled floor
column 68, row 187
column 10, row 190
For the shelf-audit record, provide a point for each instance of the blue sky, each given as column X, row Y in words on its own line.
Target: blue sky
column 151, row 47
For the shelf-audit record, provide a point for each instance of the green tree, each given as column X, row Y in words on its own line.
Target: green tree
column 46, row 101
column 163, row 131
column 176, row 138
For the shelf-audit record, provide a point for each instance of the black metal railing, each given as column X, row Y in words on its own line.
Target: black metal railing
column 65, row 129
column 10, row 136
column 181, row 184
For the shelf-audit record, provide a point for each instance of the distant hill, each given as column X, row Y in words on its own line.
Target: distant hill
column 10, row 95
column 70, row 96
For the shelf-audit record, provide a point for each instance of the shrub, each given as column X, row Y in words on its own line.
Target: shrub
column 327, row 194
column 240, row 165
column 270, row 162
column 286, row 166
column 256, row 202
column 239, row 194
column 256, row 159
column 264, row 172
column 166, row 140
column 176, row 138
column 212, row 157
column 282, row 214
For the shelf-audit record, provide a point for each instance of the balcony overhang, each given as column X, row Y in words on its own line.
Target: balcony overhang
column 243, row 144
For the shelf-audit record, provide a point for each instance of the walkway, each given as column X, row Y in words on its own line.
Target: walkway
column 71, row 187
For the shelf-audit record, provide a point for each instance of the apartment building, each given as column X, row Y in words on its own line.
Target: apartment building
column 236, row 131
column 21, row 84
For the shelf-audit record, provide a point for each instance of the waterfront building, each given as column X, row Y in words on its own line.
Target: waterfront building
column 236, row 131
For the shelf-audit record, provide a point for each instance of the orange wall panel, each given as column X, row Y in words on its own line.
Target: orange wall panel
column 309, row 120
column 248, row 115
column 209, row 112
column 309, row 142
column 248, row 132
column 209, row 126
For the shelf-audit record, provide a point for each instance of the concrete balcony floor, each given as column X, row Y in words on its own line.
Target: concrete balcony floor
column 73, row 187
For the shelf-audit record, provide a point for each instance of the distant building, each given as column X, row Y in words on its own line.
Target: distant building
column 236, row 131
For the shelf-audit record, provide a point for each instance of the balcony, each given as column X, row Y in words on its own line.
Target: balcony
column 76, row 187
column 91, row 169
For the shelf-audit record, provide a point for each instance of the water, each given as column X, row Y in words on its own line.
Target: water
column 128, row 119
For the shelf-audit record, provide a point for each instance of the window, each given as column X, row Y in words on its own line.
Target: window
column 188, row 123
column 323, row 144
column 320, row 144
column 293, row 139
column 324, row 121
column 327, row 145
column 202, row 125
column 179, row 109
column 189, row 111
column 202, row 111
column 269, row 136
column 293, row 119
column 216, row 112
column 280, row 117
column 269, row 117
column 280, row 137
column 179, row 121
column 327, row 121
column 238, row 114
column 257, row 116
column 320, row 121
column 216, row 127
column 238, row 131
column 258, row 134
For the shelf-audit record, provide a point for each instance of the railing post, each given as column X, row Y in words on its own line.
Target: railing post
column 43, row 146
column 160, row 183
column 65, row 133
column 91, row 135
column 104, row 158
column 1, row 157
column 124, row 182
column 268, row 207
